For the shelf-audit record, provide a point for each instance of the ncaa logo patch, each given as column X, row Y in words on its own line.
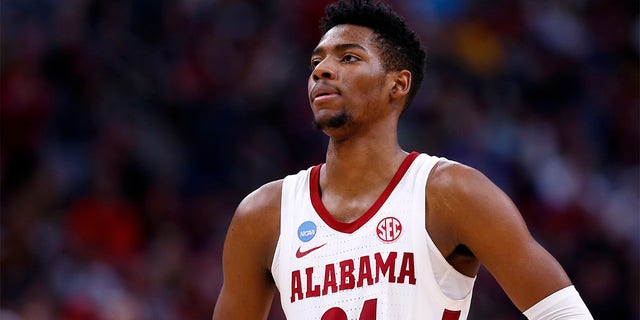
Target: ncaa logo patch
column 306, row 231
column 389, row 229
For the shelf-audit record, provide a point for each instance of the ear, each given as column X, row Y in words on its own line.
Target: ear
column 401, row 84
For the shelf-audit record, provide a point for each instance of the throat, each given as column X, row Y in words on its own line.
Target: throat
column 347, row 208
column 355, row 191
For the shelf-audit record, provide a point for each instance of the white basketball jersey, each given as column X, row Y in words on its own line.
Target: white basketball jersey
column 380, row 266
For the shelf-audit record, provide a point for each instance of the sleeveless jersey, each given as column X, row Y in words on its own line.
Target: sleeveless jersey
column 381, row 266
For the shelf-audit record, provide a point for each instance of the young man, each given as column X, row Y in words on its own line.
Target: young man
column 377, row 232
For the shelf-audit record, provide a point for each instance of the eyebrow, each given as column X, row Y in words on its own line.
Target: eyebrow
column 340, row 47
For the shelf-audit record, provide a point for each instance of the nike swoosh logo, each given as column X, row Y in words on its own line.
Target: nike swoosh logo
column 300, row 254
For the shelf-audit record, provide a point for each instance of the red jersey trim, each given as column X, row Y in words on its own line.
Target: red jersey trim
column 316, row 200
column 451, row 315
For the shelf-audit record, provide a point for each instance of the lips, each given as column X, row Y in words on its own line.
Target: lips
column 322, row 90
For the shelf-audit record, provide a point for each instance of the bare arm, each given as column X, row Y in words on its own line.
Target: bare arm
column 248, row 287
column 465, row 208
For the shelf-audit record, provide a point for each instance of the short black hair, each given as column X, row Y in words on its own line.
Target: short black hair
column 401, row 49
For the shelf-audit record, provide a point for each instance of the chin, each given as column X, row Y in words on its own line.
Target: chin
column 337, row 121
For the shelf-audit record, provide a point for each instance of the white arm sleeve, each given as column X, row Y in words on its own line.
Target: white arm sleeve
column 564, row 304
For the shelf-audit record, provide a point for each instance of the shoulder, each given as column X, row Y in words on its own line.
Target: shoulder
column 451, row 179
column 256, row 223
column 452, row 185
column 261, row 201
column 465, row 192
column 465, row 207
column 453, row 194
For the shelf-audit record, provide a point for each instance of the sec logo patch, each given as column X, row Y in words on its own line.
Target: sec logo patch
column 389, row 229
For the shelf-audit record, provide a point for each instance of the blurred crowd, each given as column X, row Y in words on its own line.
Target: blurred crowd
column 130, row 130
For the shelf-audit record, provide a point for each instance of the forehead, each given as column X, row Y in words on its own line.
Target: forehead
column 347, row 34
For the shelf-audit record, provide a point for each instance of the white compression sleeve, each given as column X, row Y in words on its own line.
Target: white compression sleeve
column 564, row 304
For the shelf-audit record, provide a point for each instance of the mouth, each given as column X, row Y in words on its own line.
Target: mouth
column 324, row 96
column 323, row 92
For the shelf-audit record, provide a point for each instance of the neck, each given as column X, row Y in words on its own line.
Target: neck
column 357, row 164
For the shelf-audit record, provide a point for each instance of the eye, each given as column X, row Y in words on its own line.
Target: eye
column 313, row 64
column 349, row 58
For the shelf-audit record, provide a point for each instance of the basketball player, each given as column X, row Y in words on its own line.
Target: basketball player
column 377, row 232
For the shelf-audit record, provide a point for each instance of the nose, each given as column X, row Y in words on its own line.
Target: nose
column 323, row 70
